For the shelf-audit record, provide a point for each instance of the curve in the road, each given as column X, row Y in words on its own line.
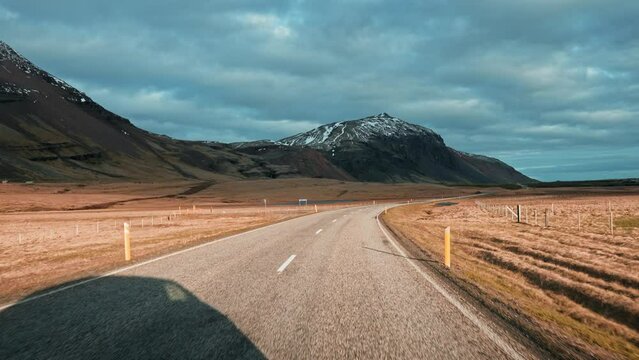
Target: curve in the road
column 287, row 289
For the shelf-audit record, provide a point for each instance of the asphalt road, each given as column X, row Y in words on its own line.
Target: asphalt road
column 328, row 285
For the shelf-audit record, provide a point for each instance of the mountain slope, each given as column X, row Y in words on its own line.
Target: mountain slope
column 387, row 149
column 51, row 131
column 308, row 161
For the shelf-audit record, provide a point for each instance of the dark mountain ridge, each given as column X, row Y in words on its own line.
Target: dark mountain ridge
column 54, row 132
column 51, row 131
column 387, row 149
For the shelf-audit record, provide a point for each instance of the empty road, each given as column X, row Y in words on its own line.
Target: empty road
column 329, row 285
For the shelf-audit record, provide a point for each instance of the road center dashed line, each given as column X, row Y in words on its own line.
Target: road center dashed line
column 285, row 264
column 334, row 220
column 318, row 231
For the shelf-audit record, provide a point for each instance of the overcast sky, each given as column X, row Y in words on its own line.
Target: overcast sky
column 549, row 86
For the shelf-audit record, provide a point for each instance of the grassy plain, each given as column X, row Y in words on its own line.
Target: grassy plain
column 54, row 233
column 573, row 285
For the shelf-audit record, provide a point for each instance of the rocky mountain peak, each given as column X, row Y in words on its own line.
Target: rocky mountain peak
column 360, row 130
column 8, row 54
column 12, row 61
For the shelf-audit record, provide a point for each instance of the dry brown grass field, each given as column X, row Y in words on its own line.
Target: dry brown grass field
column 42, row 249
column 54, row 233
column 74, row 196
column 573, row 285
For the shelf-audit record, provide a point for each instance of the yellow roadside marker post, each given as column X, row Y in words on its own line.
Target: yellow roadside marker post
column 127, row 243
column 447, row 247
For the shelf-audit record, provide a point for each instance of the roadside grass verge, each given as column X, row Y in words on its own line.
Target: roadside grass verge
column 576, row 293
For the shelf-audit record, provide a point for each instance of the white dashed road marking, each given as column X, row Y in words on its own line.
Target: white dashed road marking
column 286, row 263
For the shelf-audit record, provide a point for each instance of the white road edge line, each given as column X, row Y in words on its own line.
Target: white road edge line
column 318, row 231
column 285, row 264
column 498, row 340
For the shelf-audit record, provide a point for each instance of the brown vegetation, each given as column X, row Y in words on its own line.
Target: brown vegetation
column 46, row 248
column 572, row 285
column 73, row 196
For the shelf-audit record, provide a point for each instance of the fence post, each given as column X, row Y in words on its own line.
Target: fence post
column 546, row 218
column 612, row 231
column 447, row 247
column 519, row 213
column 579, row 222
column 127, row 243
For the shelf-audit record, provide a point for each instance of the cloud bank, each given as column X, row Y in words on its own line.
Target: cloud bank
column 551, row 87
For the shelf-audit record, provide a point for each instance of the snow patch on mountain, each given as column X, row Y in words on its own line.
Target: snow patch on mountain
column 361, row 130
column 10, row 55
column 13, row 89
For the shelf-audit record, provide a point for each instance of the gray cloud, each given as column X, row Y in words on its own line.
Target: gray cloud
column 551, row 87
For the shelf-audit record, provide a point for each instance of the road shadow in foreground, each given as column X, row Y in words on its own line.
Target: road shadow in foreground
column 121, row 318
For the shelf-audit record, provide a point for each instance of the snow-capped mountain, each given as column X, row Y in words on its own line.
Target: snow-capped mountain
column 387, row 149
column 361, row 130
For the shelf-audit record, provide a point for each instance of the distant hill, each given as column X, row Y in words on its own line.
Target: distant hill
column 588, row 183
